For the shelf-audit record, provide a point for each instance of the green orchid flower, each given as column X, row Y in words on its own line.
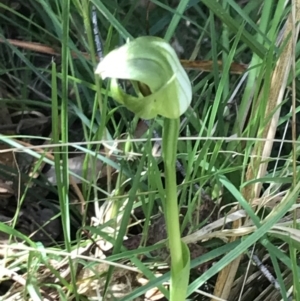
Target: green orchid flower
column 163, row 88
column 162, row 85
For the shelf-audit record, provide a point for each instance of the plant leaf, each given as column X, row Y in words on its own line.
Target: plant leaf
column 180, row 281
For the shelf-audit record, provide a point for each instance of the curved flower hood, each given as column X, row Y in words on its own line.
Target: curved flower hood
column 163, row 85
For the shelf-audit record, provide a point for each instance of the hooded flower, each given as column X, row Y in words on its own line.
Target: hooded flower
column 151, row 64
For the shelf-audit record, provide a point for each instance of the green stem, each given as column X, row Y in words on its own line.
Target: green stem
column 169, row 147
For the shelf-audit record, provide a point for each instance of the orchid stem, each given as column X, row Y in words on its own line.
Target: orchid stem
column 169, row 148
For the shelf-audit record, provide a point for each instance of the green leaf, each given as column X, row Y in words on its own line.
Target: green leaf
column 180, row 280
column 163, row 85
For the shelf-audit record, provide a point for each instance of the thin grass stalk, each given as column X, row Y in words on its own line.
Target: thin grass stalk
column 64, row 177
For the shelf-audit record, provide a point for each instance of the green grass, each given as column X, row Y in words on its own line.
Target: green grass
column 223, row 136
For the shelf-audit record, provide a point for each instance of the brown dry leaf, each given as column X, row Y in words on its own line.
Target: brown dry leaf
column 91, row 281
column 76, row 167
column 154, row 293
column 270, row 202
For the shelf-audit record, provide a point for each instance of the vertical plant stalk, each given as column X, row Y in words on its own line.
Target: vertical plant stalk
column 169, row 147
column 168, row 95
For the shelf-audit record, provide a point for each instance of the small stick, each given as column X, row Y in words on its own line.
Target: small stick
column 267, row 274
column 97, row 38
column 265, row 271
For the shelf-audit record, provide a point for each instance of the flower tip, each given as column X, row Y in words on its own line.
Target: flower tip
column 100, row 70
